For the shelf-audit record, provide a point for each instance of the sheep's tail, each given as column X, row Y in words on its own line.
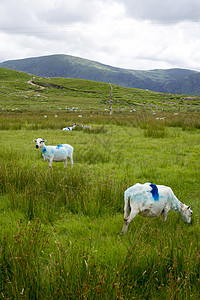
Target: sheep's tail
column 127, row 206
column 126, row 212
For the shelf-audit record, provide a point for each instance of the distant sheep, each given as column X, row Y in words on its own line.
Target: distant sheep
column 85, row 127
column 69, row 128
column 150, row 200
column 55, row 153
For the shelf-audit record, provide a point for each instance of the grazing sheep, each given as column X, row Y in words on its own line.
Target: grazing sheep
column 85, row 127
column 69, row 128
column 150, row 200
column 55, row 153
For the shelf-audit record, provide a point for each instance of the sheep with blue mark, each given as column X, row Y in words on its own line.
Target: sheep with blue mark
column 55, row 153
column 150, row 200
column 69, row 128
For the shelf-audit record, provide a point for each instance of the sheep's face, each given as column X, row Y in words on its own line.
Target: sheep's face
column 39, row 142
column 186, row 213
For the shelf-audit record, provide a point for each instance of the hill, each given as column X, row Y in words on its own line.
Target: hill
column 25, row 92
column 176, row 81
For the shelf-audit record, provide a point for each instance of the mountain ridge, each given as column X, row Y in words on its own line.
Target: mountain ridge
column 175, row 81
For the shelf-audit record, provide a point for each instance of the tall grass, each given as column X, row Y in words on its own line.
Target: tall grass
column 79, row 191
column 60, row 228
column 155, row 130
column 36, row 264
column 35, row 120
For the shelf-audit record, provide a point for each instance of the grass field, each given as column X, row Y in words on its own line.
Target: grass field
column 60, row 228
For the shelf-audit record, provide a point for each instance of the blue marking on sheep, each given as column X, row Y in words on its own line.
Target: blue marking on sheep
column 59, row 146
column 44, row 150
column 154, row 192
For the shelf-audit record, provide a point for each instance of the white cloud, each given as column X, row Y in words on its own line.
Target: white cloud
column 69, row 12
column 163, row 11
column 130, row 34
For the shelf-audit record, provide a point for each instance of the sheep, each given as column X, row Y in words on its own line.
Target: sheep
column 150, row 200
column 85, row 127
column 69, row 128
column 55, row 153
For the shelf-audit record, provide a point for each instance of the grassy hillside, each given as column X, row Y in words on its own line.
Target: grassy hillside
column 175, row 81
column 20, row 91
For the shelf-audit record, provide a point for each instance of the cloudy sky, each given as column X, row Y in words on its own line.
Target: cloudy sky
column 133, row 34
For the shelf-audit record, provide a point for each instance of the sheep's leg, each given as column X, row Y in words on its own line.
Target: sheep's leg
column 50, row 163
column 65, row 161
column 164, row 215
column 128, row 220
column 71, row 160
column 125, row 227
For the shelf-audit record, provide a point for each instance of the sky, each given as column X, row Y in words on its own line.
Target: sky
column 131, row 34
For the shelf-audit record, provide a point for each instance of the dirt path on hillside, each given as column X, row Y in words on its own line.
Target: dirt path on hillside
column 30, row 82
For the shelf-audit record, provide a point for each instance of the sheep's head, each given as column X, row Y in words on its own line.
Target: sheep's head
column 39, row 142
column 186, row 213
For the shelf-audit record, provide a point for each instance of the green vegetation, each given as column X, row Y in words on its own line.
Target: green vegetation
column 60, row 228
column 22, row 92
column 177, row 81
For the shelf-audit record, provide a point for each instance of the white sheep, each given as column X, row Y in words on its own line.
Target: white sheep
column 55, row 153
column 85, row 127
column 69, row 128
column 150, row 200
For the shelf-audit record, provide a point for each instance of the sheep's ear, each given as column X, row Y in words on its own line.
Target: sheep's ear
column 189, row 207
column 34, row 140
column 44, row 140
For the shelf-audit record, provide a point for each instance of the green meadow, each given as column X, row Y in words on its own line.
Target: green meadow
column 60, row 228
